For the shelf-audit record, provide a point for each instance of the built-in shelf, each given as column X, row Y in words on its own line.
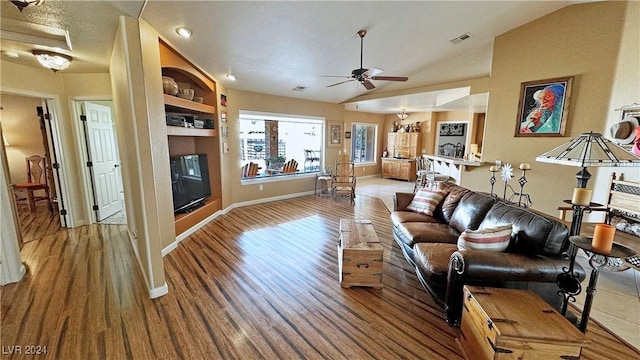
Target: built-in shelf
column 184, row 131
column 185, row 140
column 188, row 104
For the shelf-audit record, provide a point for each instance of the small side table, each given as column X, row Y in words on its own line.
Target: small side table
column 325, row 183
column 570, row 287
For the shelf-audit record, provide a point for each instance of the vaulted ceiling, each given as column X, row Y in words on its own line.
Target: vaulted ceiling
column 278, row 47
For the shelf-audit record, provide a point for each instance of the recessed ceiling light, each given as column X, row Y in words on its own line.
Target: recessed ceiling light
column 184, row 32
column 231, row 77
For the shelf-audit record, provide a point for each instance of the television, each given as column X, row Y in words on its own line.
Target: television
column 189, row 182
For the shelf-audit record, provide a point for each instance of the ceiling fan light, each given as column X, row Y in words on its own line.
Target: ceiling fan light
column 52, row 60
column 184, row 32
column 21, row 4
column 232, row 77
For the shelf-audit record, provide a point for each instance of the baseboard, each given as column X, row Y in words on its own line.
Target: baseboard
column 153, row 292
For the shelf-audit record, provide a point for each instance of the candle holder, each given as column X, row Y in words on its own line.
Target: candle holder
column 522, row 181
column 492, row 179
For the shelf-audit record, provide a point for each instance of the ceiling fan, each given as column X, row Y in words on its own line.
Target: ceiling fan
column 363, row 76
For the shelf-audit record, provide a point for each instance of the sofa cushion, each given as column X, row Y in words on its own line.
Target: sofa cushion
column 535, row 233
column 432, row 262
column 416, row 232
column 398, row 217
column 489, row 239
column 471, row 210
column 450, row 202
column 425, row 201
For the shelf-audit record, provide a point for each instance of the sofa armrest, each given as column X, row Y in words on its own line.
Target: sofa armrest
column 402, row 200
column 471, row 266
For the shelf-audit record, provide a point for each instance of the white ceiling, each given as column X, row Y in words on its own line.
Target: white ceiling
column 273, row 47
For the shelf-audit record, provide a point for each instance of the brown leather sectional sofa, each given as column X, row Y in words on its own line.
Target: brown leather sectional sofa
column 532, row 260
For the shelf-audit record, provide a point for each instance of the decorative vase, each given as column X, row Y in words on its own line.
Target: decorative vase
column 169, row 86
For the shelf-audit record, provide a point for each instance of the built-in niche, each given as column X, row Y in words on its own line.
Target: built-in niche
column 451, row 138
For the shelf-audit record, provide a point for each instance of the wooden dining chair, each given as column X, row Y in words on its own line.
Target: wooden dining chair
column 344, row 180
column 36, row 181
column 250, row 170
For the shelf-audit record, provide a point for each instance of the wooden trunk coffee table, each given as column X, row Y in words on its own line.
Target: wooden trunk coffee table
column 359, row 254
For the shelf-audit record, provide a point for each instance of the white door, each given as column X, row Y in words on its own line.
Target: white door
column 104, row 159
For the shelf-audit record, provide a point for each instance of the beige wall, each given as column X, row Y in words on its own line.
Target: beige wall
column 21, row 127
column 585, row 47
column 626, row 90
column 137, row 97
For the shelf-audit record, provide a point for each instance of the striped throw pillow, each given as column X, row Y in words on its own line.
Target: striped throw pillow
column 490, row 239
column 425, row 201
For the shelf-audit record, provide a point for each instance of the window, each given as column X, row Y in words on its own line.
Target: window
column 363, row 142
column 270, row 140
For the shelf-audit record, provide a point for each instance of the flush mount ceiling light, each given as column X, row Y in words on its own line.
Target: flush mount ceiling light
column 21, row 4
column 184, row 32
column 52, row 60
column 231, row 77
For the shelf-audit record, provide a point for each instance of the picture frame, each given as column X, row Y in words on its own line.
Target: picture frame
column 223, row 116
column 543, row 107
column 335, row 134
column 452, row 129
column 347, row 134
column 225, row 130
column 223, row 100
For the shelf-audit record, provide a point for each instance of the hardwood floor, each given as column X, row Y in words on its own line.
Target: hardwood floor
column 258, row 282
column 38, row 224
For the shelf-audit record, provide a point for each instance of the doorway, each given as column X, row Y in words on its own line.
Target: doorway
column 103, row 179
column 29, row 128
column 452, row 138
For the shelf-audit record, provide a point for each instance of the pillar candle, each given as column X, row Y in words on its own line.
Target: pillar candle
column 581, row 196
column 603, row 239
column 494, row 169
column 525, row 166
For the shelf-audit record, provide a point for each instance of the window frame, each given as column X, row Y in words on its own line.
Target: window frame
column 374, row 142
column 266, row 116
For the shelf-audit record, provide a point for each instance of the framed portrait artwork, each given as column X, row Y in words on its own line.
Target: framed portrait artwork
column 223, row 116
column 347, row 134
column 543, row 107
column 335, row 134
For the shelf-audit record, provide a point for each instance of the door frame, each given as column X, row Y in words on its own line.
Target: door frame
column 55, row 146
column 78, row 110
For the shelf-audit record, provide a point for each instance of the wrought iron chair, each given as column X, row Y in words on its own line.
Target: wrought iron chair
column 433, row 178
column 447, row 149
column 310, row 158
column 421, row 173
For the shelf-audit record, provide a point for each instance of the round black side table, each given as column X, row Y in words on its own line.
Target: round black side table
column 568, row 281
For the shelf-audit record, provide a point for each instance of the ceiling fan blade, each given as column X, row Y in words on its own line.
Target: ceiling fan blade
column 372, row 72
column 368, row 84
column 341, row 82
column 390, row 78
column 337, row 76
